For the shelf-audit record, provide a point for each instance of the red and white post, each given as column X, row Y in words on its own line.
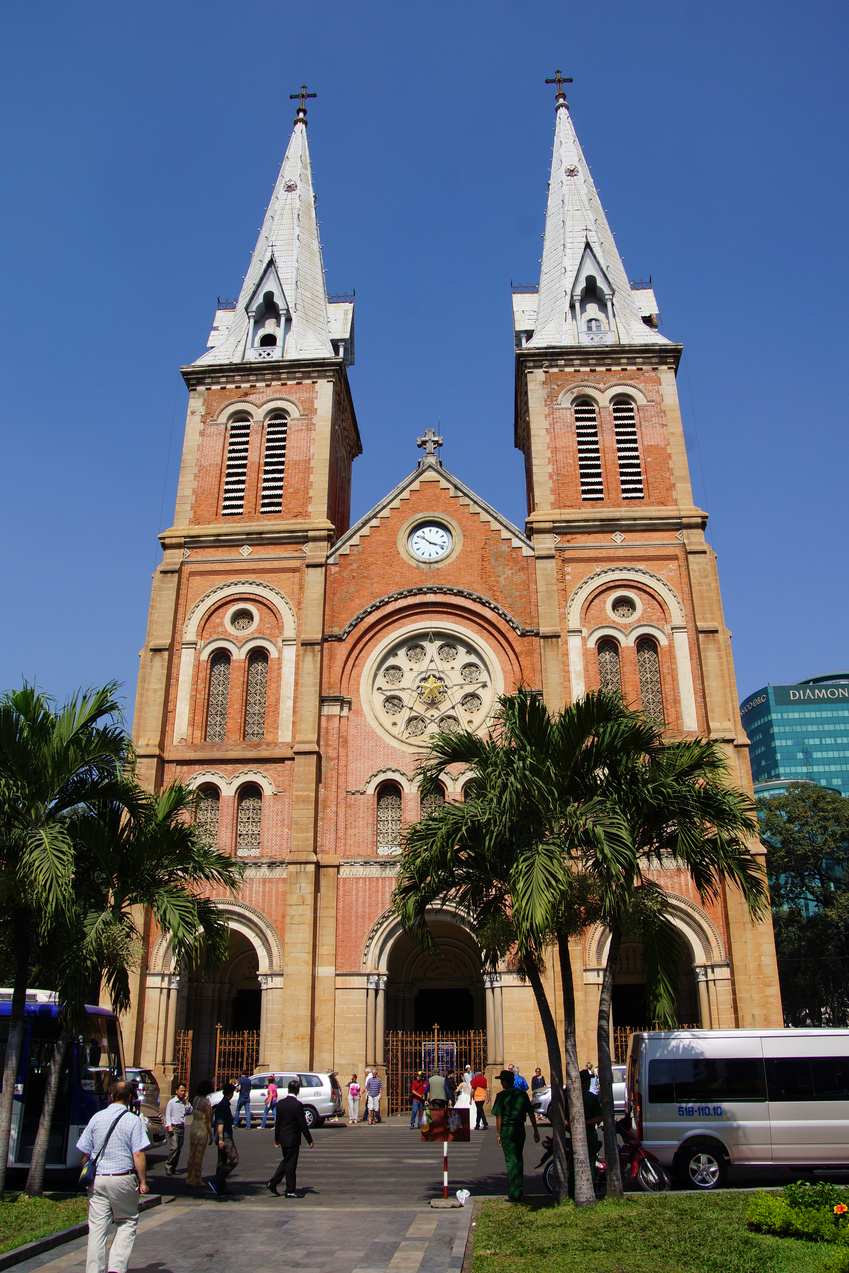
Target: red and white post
column 445, row 1169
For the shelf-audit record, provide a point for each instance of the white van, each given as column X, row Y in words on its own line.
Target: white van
column 704, row 1099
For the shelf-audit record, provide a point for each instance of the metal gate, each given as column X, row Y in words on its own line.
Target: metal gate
column 235, row 1050
column 406, row 1053
column 182, row 1057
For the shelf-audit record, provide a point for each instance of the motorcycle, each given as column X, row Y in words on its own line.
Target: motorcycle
column 635, row 1163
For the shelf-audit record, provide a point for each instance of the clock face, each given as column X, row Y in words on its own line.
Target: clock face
column 430, row 542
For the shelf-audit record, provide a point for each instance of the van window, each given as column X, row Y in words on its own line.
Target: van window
column 697, row 1079
column 801, row 1079
column 310, row 1080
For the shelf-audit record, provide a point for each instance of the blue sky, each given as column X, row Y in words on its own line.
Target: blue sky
column 140, row 148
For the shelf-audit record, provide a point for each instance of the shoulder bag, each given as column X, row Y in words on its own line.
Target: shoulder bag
column 89, row 1171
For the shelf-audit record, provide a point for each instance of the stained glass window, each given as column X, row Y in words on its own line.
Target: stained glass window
column 219, row 689
column 389, row 819
column 651, row 690
column 256, row 694
column 206, row 816
column 249, row 821
column 609, row 677
column 432, row 803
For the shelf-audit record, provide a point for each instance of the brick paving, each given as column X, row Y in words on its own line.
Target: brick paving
column 365, row 1209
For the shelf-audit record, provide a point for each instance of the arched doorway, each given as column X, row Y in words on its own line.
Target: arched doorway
column 630, row 999
column 442, row 988
column 230, row 997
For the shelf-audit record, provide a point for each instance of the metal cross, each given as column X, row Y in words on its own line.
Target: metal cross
column 303, row 95
column 429, row 442
column 560, row 80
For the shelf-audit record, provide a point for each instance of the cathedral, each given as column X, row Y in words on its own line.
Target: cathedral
column 296, row 665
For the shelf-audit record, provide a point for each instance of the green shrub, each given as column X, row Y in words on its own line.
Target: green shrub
column 772, row 1213
column 817, row 1195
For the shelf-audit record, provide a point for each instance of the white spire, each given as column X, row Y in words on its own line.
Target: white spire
column 584, row 294
column 282, row 311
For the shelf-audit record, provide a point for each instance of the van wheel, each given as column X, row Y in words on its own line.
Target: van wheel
column 702, row 1166
column 311, row 1116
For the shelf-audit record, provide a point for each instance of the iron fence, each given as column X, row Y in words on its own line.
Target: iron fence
column 408, row 1052
column 235, row 1050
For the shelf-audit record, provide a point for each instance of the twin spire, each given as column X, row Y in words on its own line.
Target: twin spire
column 584, row 297
column 282, row 311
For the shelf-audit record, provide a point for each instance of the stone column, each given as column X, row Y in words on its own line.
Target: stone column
column 701, row 975
column 489, row 993
column 498, row 1021
column 380, row 1019
column 171, row 1024
column 371, row 988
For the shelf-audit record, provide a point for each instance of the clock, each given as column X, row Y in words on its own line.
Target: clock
column 430, row 541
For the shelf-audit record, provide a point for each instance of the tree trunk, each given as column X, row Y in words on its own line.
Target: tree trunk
column 15, row 1042
column 605, row 1067
column 35, row 1178
column 583, row 1169
column 556, row 1110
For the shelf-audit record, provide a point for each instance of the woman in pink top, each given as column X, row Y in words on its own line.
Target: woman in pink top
column 353, row 1100
column 270, row 1102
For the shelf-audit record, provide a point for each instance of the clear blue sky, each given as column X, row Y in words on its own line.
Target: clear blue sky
column 139, row 150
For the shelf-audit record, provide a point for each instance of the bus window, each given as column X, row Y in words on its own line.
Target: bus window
column 100, row 1054
column 42, row 1041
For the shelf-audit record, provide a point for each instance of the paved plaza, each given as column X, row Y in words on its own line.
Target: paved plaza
column 365, row 1208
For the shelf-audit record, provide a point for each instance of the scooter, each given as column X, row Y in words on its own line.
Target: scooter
column 635, row 1163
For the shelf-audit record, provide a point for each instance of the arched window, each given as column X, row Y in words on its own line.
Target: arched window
column 469, row 791
column 609, row 677
column 389, row 819
column 206, row 816
column 248, row 821
column 432, row 803
column 651, row 690
column 627, row 449
column 255, row 695
column 273, row 464
column 236, row 472
column 589, row 455
column 219, row 689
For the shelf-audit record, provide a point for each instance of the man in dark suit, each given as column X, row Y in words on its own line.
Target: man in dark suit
column 290, row 1125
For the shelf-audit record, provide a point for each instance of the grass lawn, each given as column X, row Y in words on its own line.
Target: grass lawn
column 24, row 1219
column 671, row 1233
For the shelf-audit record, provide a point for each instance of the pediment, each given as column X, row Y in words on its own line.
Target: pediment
column 447, row 484
column 269, row 281
column 591, row 265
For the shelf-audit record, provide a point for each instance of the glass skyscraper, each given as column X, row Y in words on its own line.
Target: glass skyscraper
column 800, row 732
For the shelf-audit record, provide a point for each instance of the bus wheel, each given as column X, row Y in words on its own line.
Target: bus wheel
column 702, row 1165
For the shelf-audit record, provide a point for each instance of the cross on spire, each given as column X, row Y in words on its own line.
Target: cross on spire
column 560, row 80
column 301, row 113
column 429, row 442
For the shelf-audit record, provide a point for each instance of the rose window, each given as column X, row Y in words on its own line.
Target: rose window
column 433, row 683
column 241, row 620
column 624, row 608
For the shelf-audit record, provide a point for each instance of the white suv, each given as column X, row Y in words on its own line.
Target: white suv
column 320, row 1095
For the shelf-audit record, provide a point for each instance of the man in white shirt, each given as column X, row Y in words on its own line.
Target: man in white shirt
column 121, row 1177
column 175, row 1125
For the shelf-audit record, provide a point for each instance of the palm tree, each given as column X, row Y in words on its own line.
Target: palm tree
column 512, row 857
column 52, row 763
column 138, row 853
column 680, row 812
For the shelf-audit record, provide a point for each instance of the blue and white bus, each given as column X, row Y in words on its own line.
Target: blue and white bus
column 94, row 1060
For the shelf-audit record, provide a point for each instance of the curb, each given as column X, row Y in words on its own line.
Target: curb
column 51, row 1240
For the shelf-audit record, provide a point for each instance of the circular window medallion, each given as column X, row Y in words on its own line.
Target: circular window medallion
column 623, row 608
column 431, row 681
column 242, row 618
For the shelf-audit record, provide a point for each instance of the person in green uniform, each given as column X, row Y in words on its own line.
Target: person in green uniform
column 511, row 1108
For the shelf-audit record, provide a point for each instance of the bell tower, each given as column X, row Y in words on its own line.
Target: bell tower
column 628, row 588
column 230, row 678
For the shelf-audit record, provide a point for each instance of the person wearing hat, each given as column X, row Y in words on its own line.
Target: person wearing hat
column 511, row 1107
column 419, row 1092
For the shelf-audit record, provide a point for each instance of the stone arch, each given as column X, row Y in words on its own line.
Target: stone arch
column 387, row 774
column 275, row 598
column 696, row 927
column 242, row 918
column 387, row 928
column 678, row 628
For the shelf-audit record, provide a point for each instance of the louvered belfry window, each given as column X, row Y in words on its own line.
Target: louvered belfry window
column 432, row 803
column 589, row 455
column 249, row 821
column 273, row 465
column 206, row 816
column 627, row 449
column 256, row 694
column 651, row 690
column 236, row 472
column 389, row 819
column 609, row 676
column 219, row 689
